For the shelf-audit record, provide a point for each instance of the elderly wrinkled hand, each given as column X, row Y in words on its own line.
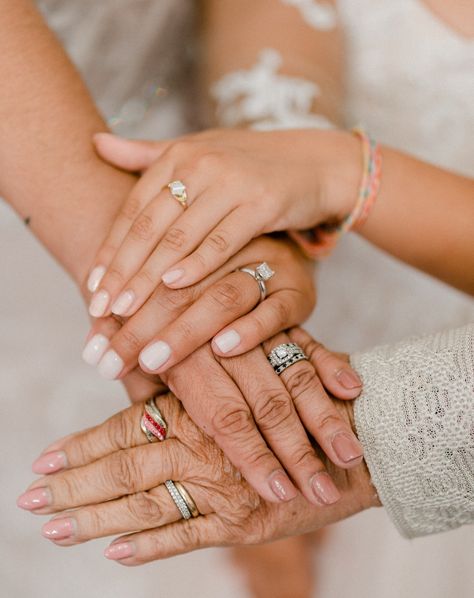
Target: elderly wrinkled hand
column 114, row 479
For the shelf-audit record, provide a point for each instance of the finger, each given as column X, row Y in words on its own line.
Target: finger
column 141, row 511
column 224, row 241
column 334, row 371
column 119, row 474
column 171, row 540
column 279, row 311
column 222, row 303
column 278, row 422
column 318, row 412
column 216, row 405
column 128, row 154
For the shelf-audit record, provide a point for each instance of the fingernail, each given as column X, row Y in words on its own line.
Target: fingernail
column 34, row 499
column 282, row 488
column 348, row 379
column 99, row 304
column 172, row 276
column 110, row 365
column 155, row 355
column 347, row 447
column 95, row 349
column 122, row 550
column 227, row 341
column 123, row 303
column 49, row 463
column 95, row 277
column 324, row 489
column 58, row 529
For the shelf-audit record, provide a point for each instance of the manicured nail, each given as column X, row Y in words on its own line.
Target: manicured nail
column 282, row 488
column 95, row 277
column 155, row 355
column 347, row 448
column 172, row 276
column 123, row 303
column 349, row 379
column 49, row 463
column 34, row 499
column 95, row 349
column 110, row 365
column 99, row 303
column 324, row 489
column 116, row 552
column 227, row 341
column 58, row 529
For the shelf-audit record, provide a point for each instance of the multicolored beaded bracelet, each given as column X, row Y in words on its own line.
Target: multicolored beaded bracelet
column 319, row 242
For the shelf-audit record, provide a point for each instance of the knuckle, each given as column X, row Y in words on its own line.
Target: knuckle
column 130, row 341
column 115, row 275
column 299, row 380
column 185, row 329
column 125, row 472
column 209, row 161
column 120, row 430
column 226, row 296
column 93, row 523
column 326, row 420
column 303, row 456
column 272, row 408
column 145, row 507
column 174, row 300
column 142, row 228
column 280, row 313
column 131, row 208
column 217, row 242
column 146, row 277
column 188, row 535
column 231, row 420
column 175, row 239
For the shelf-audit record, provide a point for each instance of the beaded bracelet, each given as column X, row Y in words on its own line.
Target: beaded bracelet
column 319, row 241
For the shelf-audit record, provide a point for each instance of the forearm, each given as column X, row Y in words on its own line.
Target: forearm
column 49, row 172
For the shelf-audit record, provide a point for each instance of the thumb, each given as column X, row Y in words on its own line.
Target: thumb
column 128, row 154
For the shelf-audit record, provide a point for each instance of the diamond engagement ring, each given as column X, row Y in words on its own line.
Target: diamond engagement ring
column 285, row 355
column 261, row 274
column 178, row 191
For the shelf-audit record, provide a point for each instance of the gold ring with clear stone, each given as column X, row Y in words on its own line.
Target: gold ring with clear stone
column 179, row 192
column 261, row 274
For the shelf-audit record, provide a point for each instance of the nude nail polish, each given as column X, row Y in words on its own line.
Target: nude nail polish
column 324, row 489
column 155, row 355
column 98, row 304
column 121, row 550
column 58, row 529
column 34, row 499
column 349, row 379
column 95, row 277
column 49, row 463
column 347, row 448
column 110, row 365
column 123, row 303
column 95, row 349
column 172, row 276
column 281, row 487
column 227, row 341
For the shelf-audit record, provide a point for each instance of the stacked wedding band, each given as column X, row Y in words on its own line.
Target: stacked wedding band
column 186, row 506
column 285, row 355
column 261, row 274
column 152, row 423
column 179, row 192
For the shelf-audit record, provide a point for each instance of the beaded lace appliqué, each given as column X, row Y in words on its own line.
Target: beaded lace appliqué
column 320, row 15
column 265, row 99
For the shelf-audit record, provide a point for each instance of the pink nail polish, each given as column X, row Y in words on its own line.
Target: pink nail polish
column 123, row 303
column 281, row 487
column 34, row 499
column 49, row 463
column 121, row 550
column 172, row 276
column 58, row 529
column 324, row 489
column 347, row 448
column 349, row 379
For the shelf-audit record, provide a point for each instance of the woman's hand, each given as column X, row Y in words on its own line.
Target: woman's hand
column 113, row 479
column 240, row 184
column 174, row 323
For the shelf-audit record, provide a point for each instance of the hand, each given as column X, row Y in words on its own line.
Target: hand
column 174, row 323
column 114, row 481
column 240, row 184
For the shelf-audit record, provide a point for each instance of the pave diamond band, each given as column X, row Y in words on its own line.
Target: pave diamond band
column 285, row 355
column 261, row 275
column 178, row 500
column 179, row 192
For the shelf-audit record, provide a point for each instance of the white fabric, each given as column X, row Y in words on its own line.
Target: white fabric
column 415, row 419
column 319, row 14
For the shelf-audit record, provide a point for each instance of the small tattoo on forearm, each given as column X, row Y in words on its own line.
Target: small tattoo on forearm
column 27, row 221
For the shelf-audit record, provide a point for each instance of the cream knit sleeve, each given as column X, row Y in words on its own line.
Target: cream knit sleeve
column 415, row 419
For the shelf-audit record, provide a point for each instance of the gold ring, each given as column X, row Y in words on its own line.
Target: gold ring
column 178, row 191
column 188, row 499
column 152, row 423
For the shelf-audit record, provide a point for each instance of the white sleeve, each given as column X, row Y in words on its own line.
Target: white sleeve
column 415, row 419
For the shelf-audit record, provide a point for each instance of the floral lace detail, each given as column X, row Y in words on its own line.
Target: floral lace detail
column 320, row 15
column 265, row 99
column 415, row 419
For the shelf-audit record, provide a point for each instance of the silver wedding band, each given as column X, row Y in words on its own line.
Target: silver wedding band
column 285, row 355
column 262, row 274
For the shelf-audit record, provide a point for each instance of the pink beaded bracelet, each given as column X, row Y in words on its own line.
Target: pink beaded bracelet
column 319, row 242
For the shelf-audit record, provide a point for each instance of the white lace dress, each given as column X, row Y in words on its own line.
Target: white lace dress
column 411, row 84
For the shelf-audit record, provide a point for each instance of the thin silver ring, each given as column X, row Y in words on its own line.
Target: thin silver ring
column 178, row 500
column 261, row 275
column 285, row 355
